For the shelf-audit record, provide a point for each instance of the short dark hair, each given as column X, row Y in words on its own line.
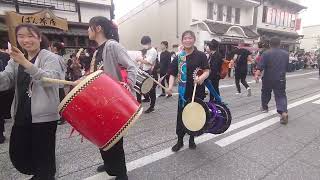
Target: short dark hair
column 191, row 33
column 213, row 45
column 145, row 40
column 275, row 42
column 165, row 43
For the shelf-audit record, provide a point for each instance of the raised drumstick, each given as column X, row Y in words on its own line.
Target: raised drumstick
column 58, row 81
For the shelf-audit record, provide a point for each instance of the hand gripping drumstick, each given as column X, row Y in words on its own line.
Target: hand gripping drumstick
column 148, row 75
column 197, row 72
column 58, row 81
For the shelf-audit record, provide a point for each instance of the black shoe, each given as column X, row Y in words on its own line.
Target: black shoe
column 101, row 168
column 122, row 177
column 264, row 110
column 150, row 110
column 162, row 95
column 146, row 100
column 192, row 144
column 177, row 147
column 169, row 96
column 2, row 138
column 61, row 122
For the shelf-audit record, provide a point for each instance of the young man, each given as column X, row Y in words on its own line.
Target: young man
column 165, row 60
column 5, row 96
column 148, row 64
column 274, row 63
column 215, row 63
column 242, row 56
column 111, row 55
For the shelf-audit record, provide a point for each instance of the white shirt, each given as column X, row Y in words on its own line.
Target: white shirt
column 151, row 57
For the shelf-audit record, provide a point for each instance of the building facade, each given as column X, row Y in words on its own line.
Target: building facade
column 77, row 13
column 311, row 39
column 231, row 22
column 280, row 18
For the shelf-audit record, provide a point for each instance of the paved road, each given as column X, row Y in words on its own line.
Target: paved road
column 255, row 147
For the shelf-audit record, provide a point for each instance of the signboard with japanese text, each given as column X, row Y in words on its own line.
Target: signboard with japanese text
column 44, row 18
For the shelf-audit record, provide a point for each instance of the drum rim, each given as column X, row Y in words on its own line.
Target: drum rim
column 123, row 130
column 77, row 89
column 203, row 129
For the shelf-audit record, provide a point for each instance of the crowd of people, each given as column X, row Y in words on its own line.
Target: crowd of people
column 34, row 108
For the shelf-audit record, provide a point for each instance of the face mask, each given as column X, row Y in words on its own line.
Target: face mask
column 145, row 46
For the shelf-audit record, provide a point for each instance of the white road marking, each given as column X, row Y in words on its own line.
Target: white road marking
column 314, row 78
column 317, row 102
column 167, row 152
column 253, row 81
column 242, row 134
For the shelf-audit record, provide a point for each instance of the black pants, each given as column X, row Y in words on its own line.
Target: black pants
column 180, row 128
column 6, row 98
column 279, row 89
column 319, row 68
column 229, row 72
column 215, row 84
column 163, row 82
column 32, row 149
column 152, row 94
column 114, row 160
column 241, row 77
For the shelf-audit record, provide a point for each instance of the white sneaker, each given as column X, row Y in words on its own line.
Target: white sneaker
column 238, row 93
column 249, row 92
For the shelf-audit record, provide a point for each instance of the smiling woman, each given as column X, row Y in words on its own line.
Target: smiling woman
column 32, row 142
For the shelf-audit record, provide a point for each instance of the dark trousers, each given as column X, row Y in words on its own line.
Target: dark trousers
column 114, row 160
column 241, row 77
column 152, row 96
column 5, row 107
column 163, row 82
column 229, row 72
column 319, row 68
column 32, row 149
column 279, row 89
column 180, row 128
column 215, row 84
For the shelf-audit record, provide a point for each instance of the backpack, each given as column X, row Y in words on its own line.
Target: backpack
column 224, row 69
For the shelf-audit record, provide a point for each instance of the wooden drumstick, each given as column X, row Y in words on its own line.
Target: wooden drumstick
column 194, row 92
column 58, row 81
column 154, row 80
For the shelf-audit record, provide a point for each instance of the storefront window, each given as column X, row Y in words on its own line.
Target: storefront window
column 229, row 14
column 237, row 18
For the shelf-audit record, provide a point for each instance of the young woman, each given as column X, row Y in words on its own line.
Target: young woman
column 110, row 56
column 33, row 135
column 184, row 66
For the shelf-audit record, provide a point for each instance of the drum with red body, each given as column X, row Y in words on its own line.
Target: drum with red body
column 100, row 109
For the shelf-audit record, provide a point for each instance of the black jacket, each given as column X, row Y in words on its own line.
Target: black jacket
column 4, row 58
column 165, row 60
column 215, row 62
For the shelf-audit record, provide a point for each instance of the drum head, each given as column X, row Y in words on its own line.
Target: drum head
column 146, row 86
column 195, row 117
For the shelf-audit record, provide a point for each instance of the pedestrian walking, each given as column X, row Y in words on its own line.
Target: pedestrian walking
column 274, row 63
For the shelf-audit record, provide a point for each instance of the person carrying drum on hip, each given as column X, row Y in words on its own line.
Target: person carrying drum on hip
column 183, row 67
column 148, row 65
column 274, row 63
column 110, row 54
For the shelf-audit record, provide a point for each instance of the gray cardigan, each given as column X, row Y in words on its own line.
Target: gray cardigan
column 115, row 54
column 45, row 97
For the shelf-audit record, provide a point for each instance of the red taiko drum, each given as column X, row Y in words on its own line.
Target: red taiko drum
column 100, row 109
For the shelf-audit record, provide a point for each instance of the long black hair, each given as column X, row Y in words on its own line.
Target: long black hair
column 109, row 28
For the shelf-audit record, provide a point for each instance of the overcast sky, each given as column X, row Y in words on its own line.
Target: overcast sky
column 310, row 16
